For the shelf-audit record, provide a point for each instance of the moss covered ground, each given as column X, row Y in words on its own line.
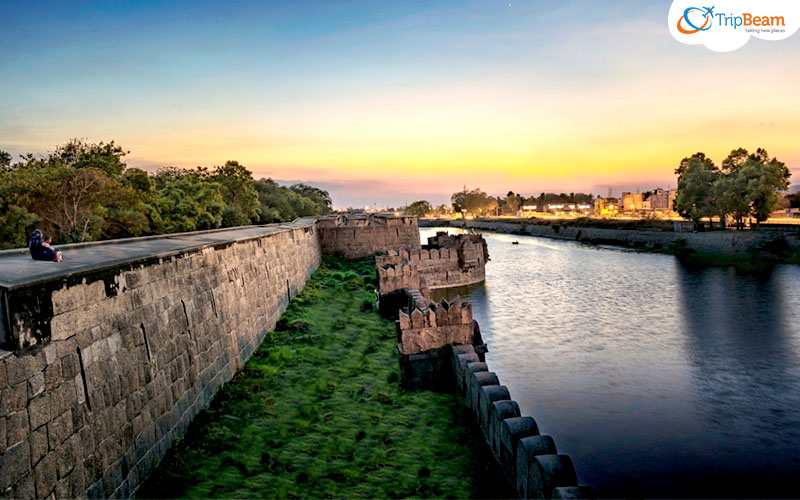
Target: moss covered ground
column 318, row 412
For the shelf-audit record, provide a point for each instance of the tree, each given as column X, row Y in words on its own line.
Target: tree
column 14, row 220
column 321, row 199
column 84, row 191
column 474, row 202
column 697, row 188
column 418, row 208
column 5, row 160
column 132, row 209
column 764, row 178
column 732, row 196
column 71, row 201
column 80, row 154
column 280, row 203
column 513, row 201
column 239, row 192
column 748, row 185
column 188, row 203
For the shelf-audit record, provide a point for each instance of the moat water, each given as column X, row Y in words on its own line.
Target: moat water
column 658, row 379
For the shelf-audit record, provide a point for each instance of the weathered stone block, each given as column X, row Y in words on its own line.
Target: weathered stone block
column 574, row 492
column 3, row 442
column 18, row 428
column 487, row 395
column 547, row 472
column 68, row 299
column 39, row 444
column 499, row 411
column 23, row 367
column 528, row 448
column 52, row 375
column 14, row 464
column 39, row 409
column 3, row 375
column 45, row 476
column 59, row 429
column 13, row 398
column 35, row 385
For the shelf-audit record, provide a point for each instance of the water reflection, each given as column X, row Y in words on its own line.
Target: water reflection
column 658, row 379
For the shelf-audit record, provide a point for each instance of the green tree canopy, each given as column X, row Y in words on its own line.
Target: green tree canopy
column 83, row 191
column 321, row 199
column 5, row 160
column 513, row 201
column 697, row 188
column 473, row 202
column 748, row 185
column 280, row 203
column 239, row 192
column 188, row 203
column 418, row 208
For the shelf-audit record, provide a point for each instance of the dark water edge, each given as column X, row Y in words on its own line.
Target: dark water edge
column 660, row 378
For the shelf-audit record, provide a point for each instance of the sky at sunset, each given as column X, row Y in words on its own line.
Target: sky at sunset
column 387, row 102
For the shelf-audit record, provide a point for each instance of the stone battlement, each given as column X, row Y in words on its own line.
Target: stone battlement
column 363, row 235
column 448, row 261
column 441, row 348
column 530, row 461
column 435, row 326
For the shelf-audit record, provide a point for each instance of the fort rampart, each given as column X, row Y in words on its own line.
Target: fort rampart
column 440, row 348
column 110, row 355
column 108, row 365
column 529, row 460
column 447, row 261
column 354, row 236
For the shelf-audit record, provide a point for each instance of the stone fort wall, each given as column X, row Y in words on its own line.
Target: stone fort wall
column 529, row 460
column 355, row 236
column 447, row 261
column 128, row 357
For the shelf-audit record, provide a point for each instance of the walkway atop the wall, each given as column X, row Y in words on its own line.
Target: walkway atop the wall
column 18, row 269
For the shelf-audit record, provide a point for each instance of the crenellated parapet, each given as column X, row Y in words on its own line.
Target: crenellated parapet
column 398, row 277
column 448, row 261
column 530, row 460
column 435, row 326
column 441, row 349
column 471, row 248
column 362, row 235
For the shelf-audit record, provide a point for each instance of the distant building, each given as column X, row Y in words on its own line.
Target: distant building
column 786, row 213
column 604, row 207
column 661, row 200
column 632, row 202
column 507, row 211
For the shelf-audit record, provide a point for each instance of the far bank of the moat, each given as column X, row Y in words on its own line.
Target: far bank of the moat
column 741, row 248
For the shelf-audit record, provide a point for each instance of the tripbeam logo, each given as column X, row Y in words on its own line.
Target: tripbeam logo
column 727, row 26
column 707, row 12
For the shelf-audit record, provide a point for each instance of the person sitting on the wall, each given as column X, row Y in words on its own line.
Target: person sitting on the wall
column 41, row 249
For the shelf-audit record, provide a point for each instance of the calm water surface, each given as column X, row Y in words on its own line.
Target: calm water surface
column 658, row 379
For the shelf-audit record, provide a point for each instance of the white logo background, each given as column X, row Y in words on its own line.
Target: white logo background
column 721, row 38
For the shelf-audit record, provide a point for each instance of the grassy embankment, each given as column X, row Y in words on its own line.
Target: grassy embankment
column 318, row 412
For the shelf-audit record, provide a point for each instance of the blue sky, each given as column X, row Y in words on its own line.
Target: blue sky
column 385, row 101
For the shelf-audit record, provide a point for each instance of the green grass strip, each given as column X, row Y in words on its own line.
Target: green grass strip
column 318, row 411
